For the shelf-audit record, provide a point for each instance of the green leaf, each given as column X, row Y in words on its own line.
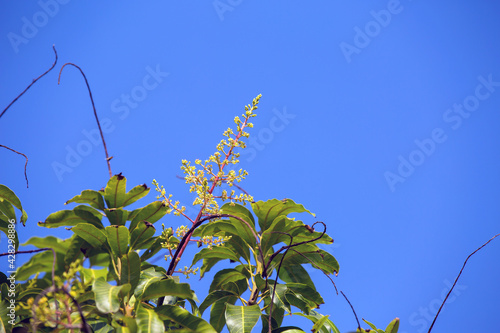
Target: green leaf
column 74, row 250
column 182, row 318
column 307, row 292
column 153, row 249
column 131, row 269
column 328, row 325
column 217, row 252
column 267, row 211
column 79, row 214
column 90, row 234
column 114, row 193
column 241, row 319
column 245, row 230
column 141, row 234
column 136, row 193
column 8, row 229
column 218, row 313
column 296, row 273
column 91, row 197
column 167, row 287
column 8, row 209
column 116, row 216
column 151, row 213
column 59, row 245
column 288, row 329
column 147, row 277
column 308, row 254
column 148, row 321
column 214, row 296
column 8, row 195
column 90, row 274
column 107, row 297
column 4, row 319
column 393, row 326
column 40, row 262
column 118, row 239
column 225, row 276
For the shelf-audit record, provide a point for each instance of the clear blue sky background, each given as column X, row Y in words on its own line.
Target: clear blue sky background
column 383, row 118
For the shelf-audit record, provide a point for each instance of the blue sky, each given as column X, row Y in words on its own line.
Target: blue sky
column 383, row 118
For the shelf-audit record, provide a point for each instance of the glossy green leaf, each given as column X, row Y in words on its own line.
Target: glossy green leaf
column 6, row 227
column 245, row 230
column 90, row 274
column 217, row 252
column 288, row 329
column 148, row 321
column 90, row 234
column 207, row 265
column 4, row 319
column 69, row 218
column 91, row 197
column 6, row 194
column 241, row 319
column 393, row 326
column 40, row 262
column 267, row 211
column 107, row 297
column 59, row 245
column 131, row 269
column 307, row 292
column 307, row 254
column 74, row 250
column 327, row 327
column 7, row 209
column 118, row 238
column 225, row 276
column 296, row 273
column 214, row 296
column 115, row 190
column 151, row 213
column 116, row 216
column 140, row 234
column 182, row 318
column 147, row 277
column 218, row 313
column 166, row 287
column 153, row 249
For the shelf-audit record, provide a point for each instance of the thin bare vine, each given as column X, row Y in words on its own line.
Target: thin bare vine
column 32, row 83
column 456, row 280
column 95, row 113
column 25, row 164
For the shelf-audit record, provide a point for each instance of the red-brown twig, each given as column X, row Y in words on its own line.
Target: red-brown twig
column 25, row 164
column 95, row 113
column 32, row 83
column 456, row 280
column 352, row 308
